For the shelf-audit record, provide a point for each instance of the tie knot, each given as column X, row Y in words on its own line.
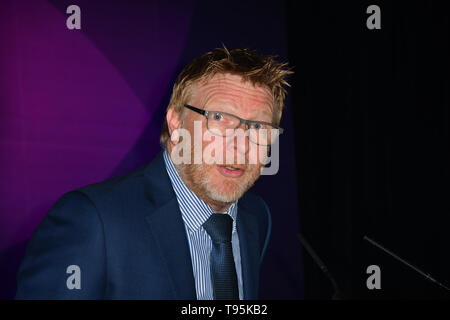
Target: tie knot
column 219, row 227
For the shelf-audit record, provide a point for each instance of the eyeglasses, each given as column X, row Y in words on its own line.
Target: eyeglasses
column 225, row 124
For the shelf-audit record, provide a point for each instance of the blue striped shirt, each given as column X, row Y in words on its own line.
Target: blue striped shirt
column 195, row 212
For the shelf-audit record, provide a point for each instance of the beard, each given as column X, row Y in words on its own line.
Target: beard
column 199, row 178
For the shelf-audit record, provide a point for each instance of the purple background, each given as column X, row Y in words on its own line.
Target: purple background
column 80, row 106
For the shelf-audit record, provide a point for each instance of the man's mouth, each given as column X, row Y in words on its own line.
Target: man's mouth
column 231, row 171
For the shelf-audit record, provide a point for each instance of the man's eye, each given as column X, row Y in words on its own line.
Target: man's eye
column 217, row 116
column 257, row 126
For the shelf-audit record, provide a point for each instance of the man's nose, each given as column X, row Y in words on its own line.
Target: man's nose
column 239, row 141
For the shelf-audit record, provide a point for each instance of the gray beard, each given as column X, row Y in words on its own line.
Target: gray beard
column 205, row 186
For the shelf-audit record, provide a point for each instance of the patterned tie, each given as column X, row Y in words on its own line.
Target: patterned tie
column 223, row 271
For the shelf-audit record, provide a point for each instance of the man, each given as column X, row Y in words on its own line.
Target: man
column 177, row 228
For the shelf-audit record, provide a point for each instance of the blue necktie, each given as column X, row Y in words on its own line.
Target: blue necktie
column 223, row 272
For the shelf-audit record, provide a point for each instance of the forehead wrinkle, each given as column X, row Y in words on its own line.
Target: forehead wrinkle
column 239, row 95
column 244, row 87
column 237, row 102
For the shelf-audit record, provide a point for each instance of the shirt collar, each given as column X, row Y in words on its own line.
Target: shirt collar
column 194, row 210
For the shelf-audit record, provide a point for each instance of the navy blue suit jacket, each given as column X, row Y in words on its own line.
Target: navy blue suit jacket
column 127, row 236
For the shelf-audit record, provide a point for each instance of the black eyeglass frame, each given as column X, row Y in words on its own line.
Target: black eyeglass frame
column 247, row 122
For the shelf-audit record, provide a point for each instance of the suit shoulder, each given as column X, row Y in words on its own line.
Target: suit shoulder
column 115, row 188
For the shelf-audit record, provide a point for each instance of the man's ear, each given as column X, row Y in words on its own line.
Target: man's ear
column 173, row 119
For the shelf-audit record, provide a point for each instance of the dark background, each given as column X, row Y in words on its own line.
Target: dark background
column 371, row 121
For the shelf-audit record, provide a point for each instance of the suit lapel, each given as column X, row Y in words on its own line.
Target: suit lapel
column 169, row 233
column 167, row 227
column 249, row 246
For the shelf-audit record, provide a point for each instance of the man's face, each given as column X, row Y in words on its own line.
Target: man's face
column 225, row 183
